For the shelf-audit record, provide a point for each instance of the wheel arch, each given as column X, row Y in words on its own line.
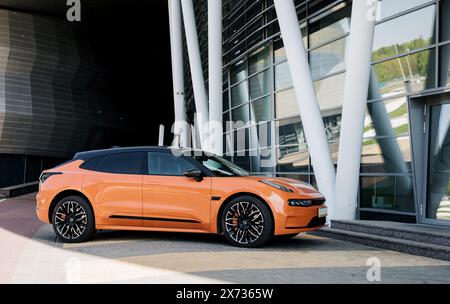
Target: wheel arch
column 233, row 196
column 63, row 194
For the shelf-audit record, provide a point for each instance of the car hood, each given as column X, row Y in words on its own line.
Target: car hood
column 293, row 184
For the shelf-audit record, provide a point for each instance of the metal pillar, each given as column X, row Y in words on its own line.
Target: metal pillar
column 198, row 83
column 307, row 100
column 359, row 54
column 215, row 76
column 180, row 127
column 161, row 136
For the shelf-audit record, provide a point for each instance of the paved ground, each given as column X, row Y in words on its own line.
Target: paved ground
column 29, row 253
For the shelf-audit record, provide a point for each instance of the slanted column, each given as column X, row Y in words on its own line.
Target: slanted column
column 181, row 127
column 307, row 100
column 215, row 76
column 198, row 83
column 359, row 55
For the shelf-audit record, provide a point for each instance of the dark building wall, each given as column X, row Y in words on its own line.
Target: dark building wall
column 51, row 102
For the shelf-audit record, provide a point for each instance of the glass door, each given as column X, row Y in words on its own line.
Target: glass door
column 438, row 167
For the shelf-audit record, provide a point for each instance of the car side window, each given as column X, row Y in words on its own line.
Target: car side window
column 122, row 163
column 167, row 164
column 93, row 163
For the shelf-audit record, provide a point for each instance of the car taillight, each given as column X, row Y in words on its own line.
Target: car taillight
column 44, row 176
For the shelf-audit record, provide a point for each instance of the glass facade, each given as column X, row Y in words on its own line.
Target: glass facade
column 411, row 55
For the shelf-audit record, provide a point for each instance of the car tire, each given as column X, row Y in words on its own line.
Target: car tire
column 73, row 220
column 247, row 222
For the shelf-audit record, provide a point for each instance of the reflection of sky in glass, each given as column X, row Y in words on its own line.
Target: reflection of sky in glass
column 419, row 24
column 391, row 7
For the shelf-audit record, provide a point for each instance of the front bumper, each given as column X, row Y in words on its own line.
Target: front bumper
column 42, row 208
column 301, row 219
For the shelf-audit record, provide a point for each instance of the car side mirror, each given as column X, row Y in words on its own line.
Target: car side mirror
column 194, row 173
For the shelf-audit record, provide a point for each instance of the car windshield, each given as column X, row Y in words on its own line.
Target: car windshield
column 220, row 166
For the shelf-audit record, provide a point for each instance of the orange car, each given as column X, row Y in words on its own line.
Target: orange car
column 167, row 189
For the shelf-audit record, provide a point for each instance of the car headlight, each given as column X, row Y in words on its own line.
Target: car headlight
column 278, row 186
column 306, row 202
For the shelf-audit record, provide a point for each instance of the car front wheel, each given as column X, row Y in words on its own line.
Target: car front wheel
column 73, row 220
column 247, row 222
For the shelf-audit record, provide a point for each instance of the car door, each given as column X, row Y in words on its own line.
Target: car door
column 115, row 183
column 171, row 200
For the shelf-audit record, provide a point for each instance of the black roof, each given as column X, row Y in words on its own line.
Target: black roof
column 94, row 153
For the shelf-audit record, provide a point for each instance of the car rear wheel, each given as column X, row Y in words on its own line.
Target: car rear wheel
column 247, row 222
column 73, row 220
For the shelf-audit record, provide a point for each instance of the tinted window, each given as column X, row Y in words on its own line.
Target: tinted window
column 167, row 164
column 93, row 163
column 122, row 163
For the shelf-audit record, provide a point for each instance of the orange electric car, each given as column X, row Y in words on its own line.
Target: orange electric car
column 168, row 189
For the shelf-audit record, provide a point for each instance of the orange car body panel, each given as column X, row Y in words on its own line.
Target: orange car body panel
column 174, row 203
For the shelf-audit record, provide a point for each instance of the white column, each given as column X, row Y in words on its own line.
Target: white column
column 215, row 76
column 198, row 83
column 161, row 136
column 180, row 127
column 307, row 100
column 359, row 54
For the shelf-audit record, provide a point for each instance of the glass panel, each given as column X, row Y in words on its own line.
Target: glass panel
column 444, row 22
column 226, row 102
column 403, row 34
column 259, row 61
column 387, row 118
column 328, row 59
column 226, row 117
column 259, row 85
column 391, row 7
column 290, row 132
column 293, row 159
column 330, row 92
column 303, row 178
column 387, row 192
column 225, row 80
column 260, row 136
column 262, row 160
column 438, row 193
column 242, row 161
column 444, row 54
column 286, row 104
column 279, row 54
column 241, row 140
column 279, row 51
column 409, row 73
column 386, row 155
column 238, row 71
column 332, row 127
column 334, row 150
column 239, row 94
column 228, row 144
column 332, row 24
column 240, row 115
column 260, row 110
column 282, row 76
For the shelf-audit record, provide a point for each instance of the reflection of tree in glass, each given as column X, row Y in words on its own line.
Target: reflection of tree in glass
column 391, row 70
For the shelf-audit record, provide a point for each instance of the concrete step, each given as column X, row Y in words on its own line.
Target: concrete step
column 19, row 190
column 419, row 233
column 389, row 243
